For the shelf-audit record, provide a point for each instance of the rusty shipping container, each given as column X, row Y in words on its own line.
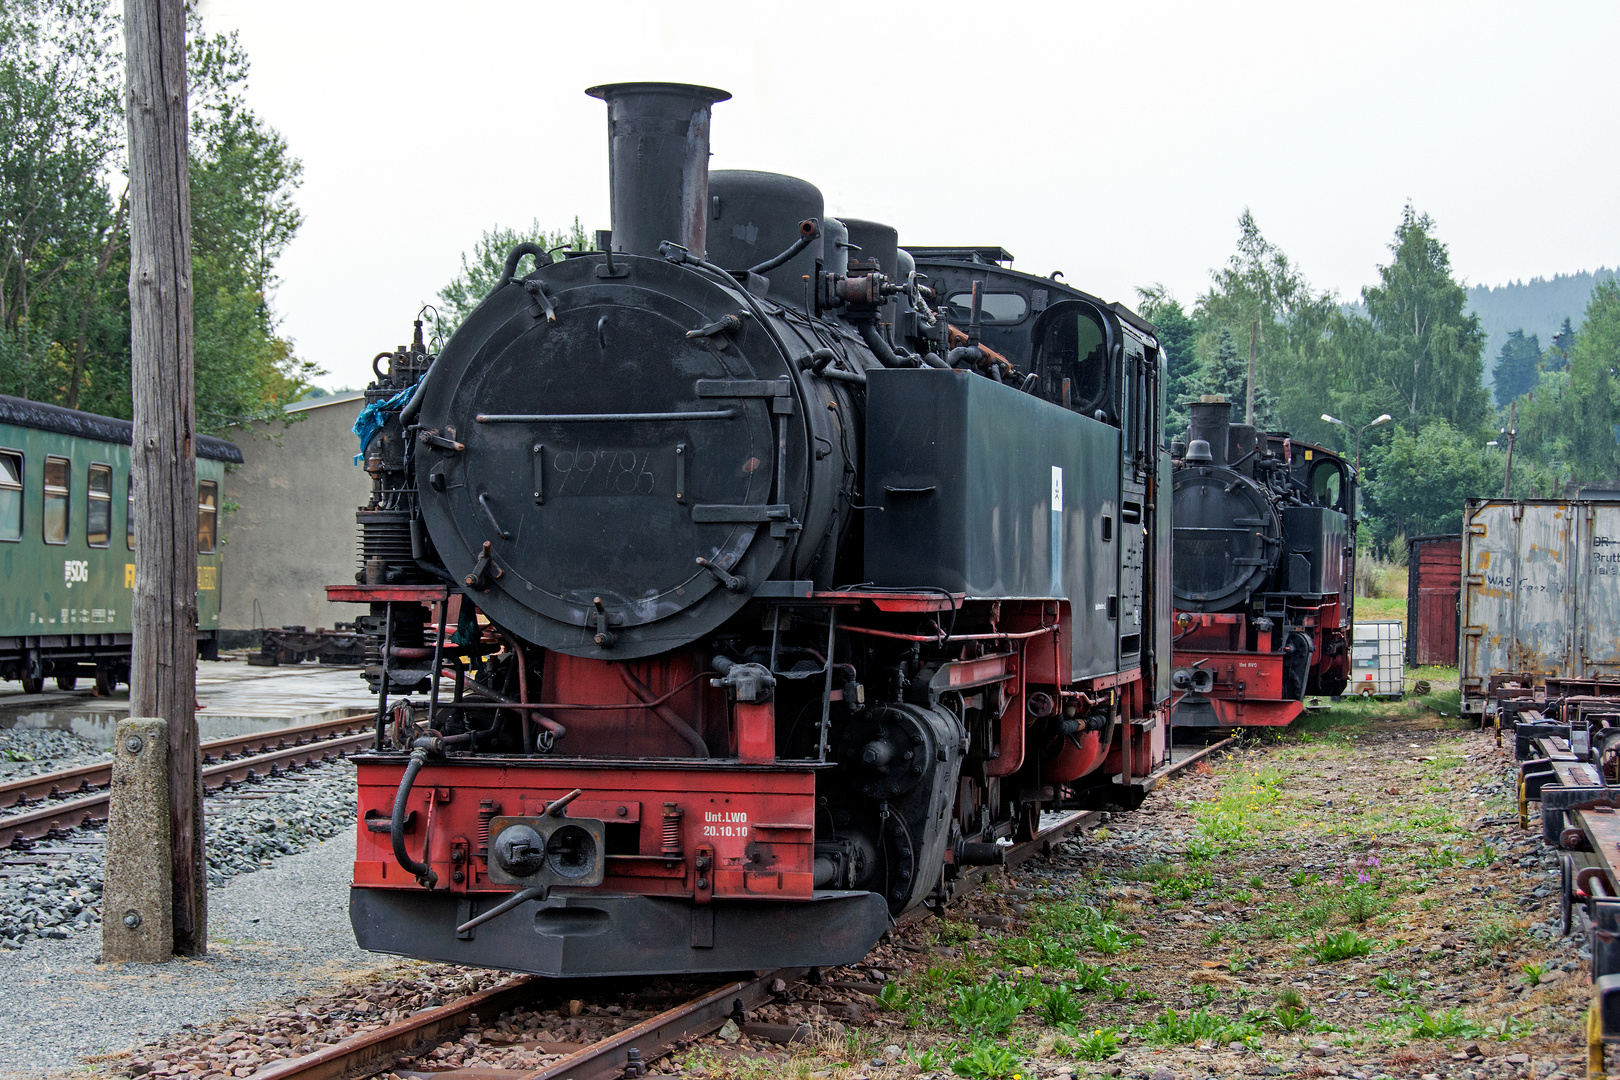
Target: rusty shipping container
column 1433, row 593
column 1540, row 596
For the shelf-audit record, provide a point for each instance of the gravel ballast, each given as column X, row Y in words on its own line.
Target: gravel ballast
column 274, row 936
column 246, row 830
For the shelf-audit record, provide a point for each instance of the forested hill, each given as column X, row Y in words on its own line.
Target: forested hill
column 1538, row 306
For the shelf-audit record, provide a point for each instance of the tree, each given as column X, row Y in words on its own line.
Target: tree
column 1296, row 366
column 480, row 273
column 1562, row 348
column 1416, row 484
column 1517, row 367
column 1594, row 397
column 1426, row 348
column 1226, row 373
column 61, row 131
column 64, row 234
column 1177, row 335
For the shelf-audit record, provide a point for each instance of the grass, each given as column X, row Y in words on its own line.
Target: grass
column 1200, row 1025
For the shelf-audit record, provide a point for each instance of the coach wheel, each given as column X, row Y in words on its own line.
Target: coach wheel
column 32, row 681
column 106, row 682
column 66, row 682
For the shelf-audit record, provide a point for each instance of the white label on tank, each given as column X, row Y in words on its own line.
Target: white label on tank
column 1056, row 541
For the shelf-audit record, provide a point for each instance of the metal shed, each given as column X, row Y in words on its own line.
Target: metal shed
column 1433, row 590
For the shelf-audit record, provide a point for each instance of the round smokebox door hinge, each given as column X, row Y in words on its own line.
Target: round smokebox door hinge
column 132, row 919
column 134, row 744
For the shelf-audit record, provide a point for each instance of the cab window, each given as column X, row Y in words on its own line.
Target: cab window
column 1071, row 356
column 1327, row 484
column 207, row 517
column 58, row 473
column 98, row 507
column 11, row 496
column 994, row 307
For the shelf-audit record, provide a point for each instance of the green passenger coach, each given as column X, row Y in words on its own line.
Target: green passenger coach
column 68, row 548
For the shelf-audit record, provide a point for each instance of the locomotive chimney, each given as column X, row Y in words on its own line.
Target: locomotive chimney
column 1209, row 420
column 658, row 163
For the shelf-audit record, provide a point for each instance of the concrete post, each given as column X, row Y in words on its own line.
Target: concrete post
column 137, row 902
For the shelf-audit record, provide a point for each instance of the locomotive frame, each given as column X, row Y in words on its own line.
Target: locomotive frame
column 774, row 597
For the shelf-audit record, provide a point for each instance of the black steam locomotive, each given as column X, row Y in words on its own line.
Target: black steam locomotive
column 783, row 571
column 1264, row 563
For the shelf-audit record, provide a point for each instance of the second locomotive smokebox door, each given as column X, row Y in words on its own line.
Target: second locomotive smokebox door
column 966, row 471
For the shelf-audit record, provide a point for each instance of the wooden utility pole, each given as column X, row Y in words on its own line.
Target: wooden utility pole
column 1254, row 340
column 163, row 674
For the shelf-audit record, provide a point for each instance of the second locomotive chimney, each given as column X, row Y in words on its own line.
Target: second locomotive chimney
column 658, row 163
column 1209, row 420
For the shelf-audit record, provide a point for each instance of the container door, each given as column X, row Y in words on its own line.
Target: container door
column 1517, row 595
column 1598, row 613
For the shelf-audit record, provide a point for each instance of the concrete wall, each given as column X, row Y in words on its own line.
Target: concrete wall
column 293, row 533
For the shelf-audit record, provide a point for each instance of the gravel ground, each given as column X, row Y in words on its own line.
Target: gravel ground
column 31, row 751
column 273, row 936
column 246, row 830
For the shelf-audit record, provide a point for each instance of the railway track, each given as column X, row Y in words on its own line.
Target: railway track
column 77, row 798
column 628, row 1053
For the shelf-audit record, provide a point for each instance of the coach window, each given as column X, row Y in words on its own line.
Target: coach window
column 129, row 512
column 57, row 474
column 207, row 516
column 98, row 507
column 11, row 496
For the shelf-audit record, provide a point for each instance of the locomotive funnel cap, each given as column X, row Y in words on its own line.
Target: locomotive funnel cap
column 658, row 163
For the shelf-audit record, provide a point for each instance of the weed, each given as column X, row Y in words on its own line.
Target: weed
column 1486, row 857
column 1450, row 1024
column 926, row 1061
column 1299, row 879
column 1157, row 870
column 1361, row 902
column 1508, row 1029
column 988, row 1061
column 1238, row 961
column 893, row 998
column 1533, row 972
column 1345, row 945
column 1035, row 951
column 1494, row 935
column 1107, row 939
column 1059, row 1008
column 1095, row 1046
column 1256, row 881
column 952, row 932
column 1214, row 936
column 1399, row 989
column 1088, row 978
column 990, row 1008
column 1171, row 1029
column 1290, row 998
column 1292, row 1020
column 1208, row 993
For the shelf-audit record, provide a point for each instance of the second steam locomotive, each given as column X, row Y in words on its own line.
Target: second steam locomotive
column 783, row 571
column 1264, row 559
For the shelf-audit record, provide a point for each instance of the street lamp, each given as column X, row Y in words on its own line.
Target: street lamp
column 1334, row 420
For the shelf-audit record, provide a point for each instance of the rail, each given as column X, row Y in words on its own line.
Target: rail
column 267, row 754
column 632, row 1051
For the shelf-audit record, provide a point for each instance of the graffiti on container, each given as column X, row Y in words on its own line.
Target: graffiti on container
column 1507, row 584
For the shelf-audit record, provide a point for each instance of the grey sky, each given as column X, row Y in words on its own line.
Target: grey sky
column 1115, row 142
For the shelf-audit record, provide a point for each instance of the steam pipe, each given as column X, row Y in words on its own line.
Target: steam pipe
column 665, row 713
column 808, row 231
column 541, row 258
